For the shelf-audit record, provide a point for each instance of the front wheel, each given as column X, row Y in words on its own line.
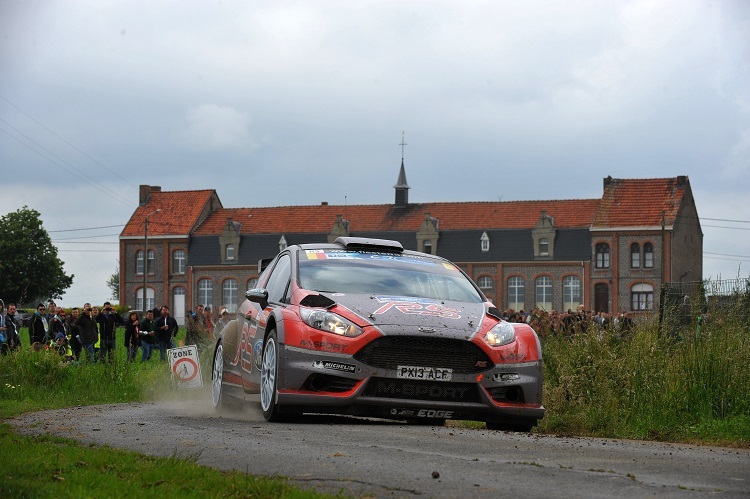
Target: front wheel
column 520, row 428
column 217, row 377
column 268, row 376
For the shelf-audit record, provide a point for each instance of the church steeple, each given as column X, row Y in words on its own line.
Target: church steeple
column 402, row 188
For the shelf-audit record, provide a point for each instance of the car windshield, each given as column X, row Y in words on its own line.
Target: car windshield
column 361, row 272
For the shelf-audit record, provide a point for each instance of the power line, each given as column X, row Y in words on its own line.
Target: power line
column 64, row 140
column 84, row 237
column 87, row 228
column 94, row 183
column 85, row 242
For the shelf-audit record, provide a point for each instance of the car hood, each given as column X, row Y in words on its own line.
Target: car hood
column 405, row 315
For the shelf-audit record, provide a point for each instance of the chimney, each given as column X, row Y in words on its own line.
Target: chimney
column 144, row 193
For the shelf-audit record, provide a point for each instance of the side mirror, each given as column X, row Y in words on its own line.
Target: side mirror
column 258, row 295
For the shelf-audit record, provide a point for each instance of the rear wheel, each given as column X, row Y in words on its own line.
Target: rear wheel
column 268, row 377
column 218, row 397
column 517, row 427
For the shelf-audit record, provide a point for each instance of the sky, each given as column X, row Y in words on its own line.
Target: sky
column 278, row 103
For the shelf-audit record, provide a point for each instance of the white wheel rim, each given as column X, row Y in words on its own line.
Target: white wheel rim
column 268, row 375
column 218, row 374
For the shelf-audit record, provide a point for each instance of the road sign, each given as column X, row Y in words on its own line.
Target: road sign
column 185, row 366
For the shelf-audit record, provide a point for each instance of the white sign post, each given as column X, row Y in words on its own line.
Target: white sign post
column 185, row 367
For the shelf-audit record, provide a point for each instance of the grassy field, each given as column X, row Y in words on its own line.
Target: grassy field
column 666, row 383
column 46, row 466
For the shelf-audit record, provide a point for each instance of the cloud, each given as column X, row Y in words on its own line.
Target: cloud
column 211, row 127
column 737, row 165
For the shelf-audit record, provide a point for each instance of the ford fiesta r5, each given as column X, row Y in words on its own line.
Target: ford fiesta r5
column 366, row 328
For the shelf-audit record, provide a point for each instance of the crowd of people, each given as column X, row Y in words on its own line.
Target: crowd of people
column 89, row 333
column 569, row 322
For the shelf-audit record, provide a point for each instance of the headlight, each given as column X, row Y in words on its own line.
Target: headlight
column 502, row 334
column 329, row 322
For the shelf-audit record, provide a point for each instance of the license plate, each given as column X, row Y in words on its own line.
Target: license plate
column 425, row 373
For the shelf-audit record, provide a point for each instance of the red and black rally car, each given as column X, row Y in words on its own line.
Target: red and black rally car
column 366, row 328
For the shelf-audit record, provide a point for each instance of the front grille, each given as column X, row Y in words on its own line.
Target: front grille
column 433, row 391
column 389, row 352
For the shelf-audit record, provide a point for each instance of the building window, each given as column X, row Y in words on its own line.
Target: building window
column 571, row 292
column 648, row 255
column 485, row 240
column 149, row 299
column 427, row 246
column 485, row 283
column 230, row 252
column 544, row 247
column 229, row 295
column 150, row 262
column 642, row 297
column 178, row 262
column 516, row 293
column 139, row 263
column 544, row 292
column 206, row 292
column 635, row 255
column 282, row 243
column 602, row 256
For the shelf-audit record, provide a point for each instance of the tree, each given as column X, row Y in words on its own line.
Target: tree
column 29, row 266
column 113, row 283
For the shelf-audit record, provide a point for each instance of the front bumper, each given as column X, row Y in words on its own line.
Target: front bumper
column 311, row 381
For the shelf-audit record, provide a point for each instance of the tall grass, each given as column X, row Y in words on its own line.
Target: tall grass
column 665, row 382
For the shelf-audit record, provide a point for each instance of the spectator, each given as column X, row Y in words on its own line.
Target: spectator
column 108, row 321
column 12, row 327
column 75, row 345
column 38, row 328
column 223, row 320
column 57, row 325
column 148, row 336
column 87, row 333
column 132, row 335
column 208, row 324
column 95, row 317
column 166, row 330
column 195, row 327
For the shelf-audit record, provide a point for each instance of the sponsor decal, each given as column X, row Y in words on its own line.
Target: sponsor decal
column 430, row 413
column 334, row 254
column 402, row 412
column 447, row 392
column 335, row 366
column 425, row 373
column 406, row 306
column 323, row 345
column 422, row 413
column 258, row 355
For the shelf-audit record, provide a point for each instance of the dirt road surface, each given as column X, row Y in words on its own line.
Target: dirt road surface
column 388, row 459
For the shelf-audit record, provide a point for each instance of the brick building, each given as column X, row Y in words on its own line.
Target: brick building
column 610, row 254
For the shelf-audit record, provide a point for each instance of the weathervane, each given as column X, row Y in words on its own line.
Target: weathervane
column 402, row 144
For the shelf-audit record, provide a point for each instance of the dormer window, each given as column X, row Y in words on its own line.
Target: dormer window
column 485, row 242
column 544, row 247
column 428, row 246
column 230, row 252
column 282, row 243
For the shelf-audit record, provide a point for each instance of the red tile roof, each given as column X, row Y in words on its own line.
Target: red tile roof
column 640, row 202
column 180, row 212
column 451, row 216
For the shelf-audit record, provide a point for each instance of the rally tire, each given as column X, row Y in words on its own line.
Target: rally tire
column 269, row 377
column 218, row 392
column 517, row 427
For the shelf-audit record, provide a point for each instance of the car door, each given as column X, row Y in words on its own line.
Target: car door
column 256, row 319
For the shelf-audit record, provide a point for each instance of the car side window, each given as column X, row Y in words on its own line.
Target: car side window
column 278, row 281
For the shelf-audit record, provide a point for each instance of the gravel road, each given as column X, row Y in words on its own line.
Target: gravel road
column 386, row 459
